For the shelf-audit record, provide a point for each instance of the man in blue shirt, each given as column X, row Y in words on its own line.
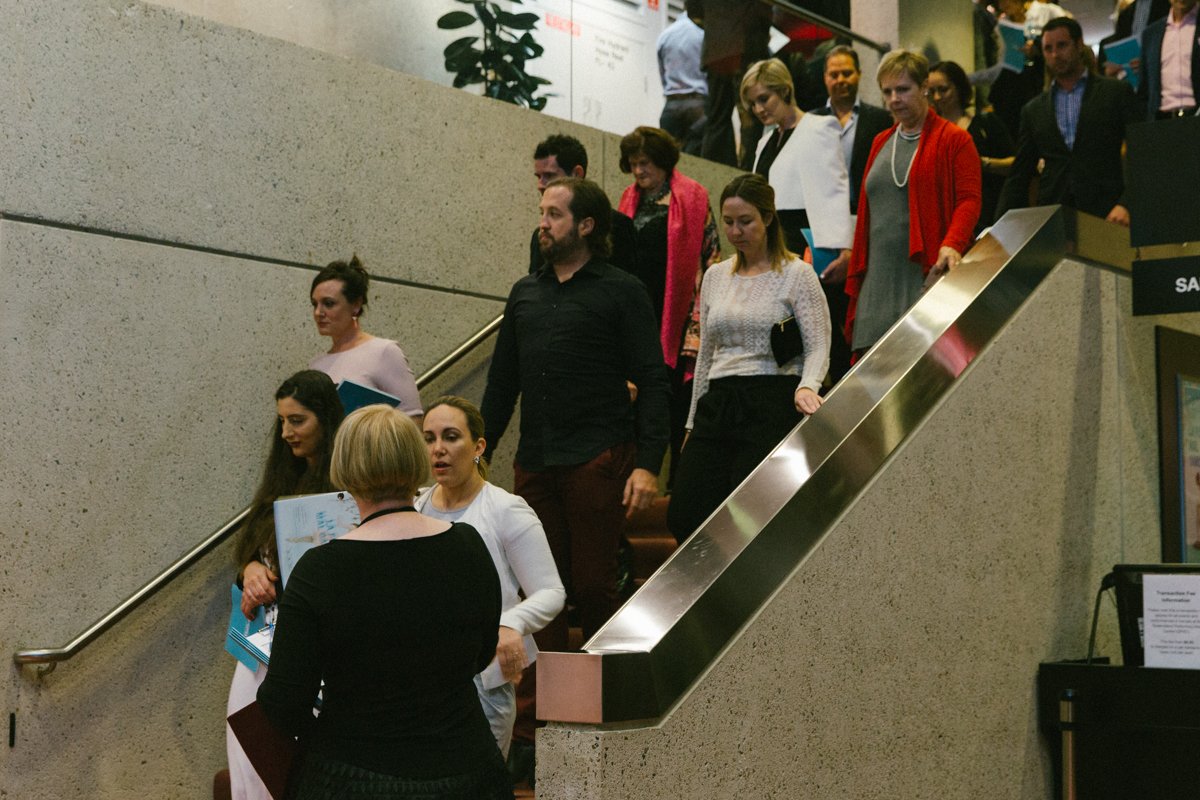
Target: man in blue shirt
column 684, row 85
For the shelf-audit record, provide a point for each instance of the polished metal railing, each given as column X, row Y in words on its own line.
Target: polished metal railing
column 836, row 29
column 451, row 358
column 659, row 643
column 47, row 658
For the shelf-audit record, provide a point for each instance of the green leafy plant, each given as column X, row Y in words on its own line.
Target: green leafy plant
column 498, row 62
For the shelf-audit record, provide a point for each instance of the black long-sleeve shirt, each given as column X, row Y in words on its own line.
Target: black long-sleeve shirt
column 397, row 630
column 566, row 349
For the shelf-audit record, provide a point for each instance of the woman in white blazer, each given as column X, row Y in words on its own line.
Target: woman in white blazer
column 801, row 156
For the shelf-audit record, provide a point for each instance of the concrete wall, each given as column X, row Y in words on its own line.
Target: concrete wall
column 167, row 189
column 900, row 660
column 401, row 36
column 942, row 31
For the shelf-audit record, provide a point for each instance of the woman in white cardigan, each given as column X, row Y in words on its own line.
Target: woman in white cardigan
column 801, row 156
column 514, row 536
column 747, row 397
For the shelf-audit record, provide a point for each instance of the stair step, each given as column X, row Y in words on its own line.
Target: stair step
column 652, row 520
column 650, row 542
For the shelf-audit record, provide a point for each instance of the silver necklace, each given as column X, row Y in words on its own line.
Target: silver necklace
column 908, row 137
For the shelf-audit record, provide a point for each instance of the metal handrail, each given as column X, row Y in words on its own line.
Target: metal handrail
column 52, row 655
column 47, row 658
column 457, row 353
column 828, row 24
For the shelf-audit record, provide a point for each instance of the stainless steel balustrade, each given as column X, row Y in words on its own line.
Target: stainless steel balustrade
column 48, row 657
column 648, row 654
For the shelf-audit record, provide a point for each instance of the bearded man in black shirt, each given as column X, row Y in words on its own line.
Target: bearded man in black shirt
column 573, row 333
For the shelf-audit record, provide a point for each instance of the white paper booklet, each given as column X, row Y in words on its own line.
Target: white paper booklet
column 304, row 522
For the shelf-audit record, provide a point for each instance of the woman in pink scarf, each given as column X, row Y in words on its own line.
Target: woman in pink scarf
column 676, row 239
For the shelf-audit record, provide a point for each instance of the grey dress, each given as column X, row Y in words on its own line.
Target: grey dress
column 892, row 283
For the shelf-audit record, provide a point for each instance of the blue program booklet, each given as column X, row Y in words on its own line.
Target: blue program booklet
column 1122, row 53
column 822, row 257
column 1012, row 36
column 354, row 396
column 249, row 640
column 302, row 523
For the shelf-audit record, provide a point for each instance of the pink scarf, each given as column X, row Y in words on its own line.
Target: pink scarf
column 686, row 216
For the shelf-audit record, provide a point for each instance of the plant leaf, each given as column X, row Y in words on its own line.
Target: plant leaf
column 456, row 19
column 532, row 48
column 466, row 78
column 459, row 46
column 508, row 72
column 461, row 62
column 518, row 22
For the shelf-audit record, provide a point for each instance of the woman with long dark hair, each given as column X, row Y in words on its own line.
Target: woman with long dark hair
column 952, row 96
column 308, row 413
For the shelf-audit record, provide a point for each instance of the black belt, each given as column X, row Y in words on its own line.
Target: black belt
column 1176, row 112
column 687, row 96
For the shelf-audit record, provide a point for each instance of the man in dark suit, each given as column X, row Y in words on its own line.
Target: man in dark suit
column 1171, row 63
column 1131, row 21
column 861, row 122
column 1075, row 129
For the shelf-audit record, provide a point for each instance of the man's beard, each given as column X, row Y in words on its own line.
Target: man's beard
column 555, row 251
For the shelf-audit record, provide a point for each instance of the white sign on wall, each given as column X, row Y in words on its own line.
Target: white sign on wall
column 1171, row 614
column 600, row 56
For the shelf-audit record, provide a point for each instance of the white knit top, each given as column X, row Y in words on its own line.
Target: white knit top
column 736, row 315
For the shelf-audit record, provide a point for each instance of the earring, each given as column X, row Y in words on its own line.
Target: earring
column 476, row 459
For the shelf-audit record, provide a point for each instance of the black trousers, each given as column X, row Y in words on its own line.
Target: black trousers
column 683, row 117
column 718, row 144
column 839, row 348
column 738, row 422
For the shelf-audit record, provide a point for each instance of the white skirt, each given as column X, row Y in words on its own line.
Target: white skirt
column 242, row 775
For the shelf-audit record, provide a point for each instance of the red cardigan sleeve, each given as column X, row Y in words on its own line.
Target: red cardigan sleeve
column 945, row 192
column 856, row 270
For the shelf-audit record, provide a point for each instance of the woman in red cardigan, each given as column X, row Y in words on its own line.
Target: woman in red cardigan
column 918, row 206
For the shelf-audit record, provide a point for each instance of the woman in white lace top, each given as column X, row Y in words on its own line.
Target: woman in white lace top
column 743, row 402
